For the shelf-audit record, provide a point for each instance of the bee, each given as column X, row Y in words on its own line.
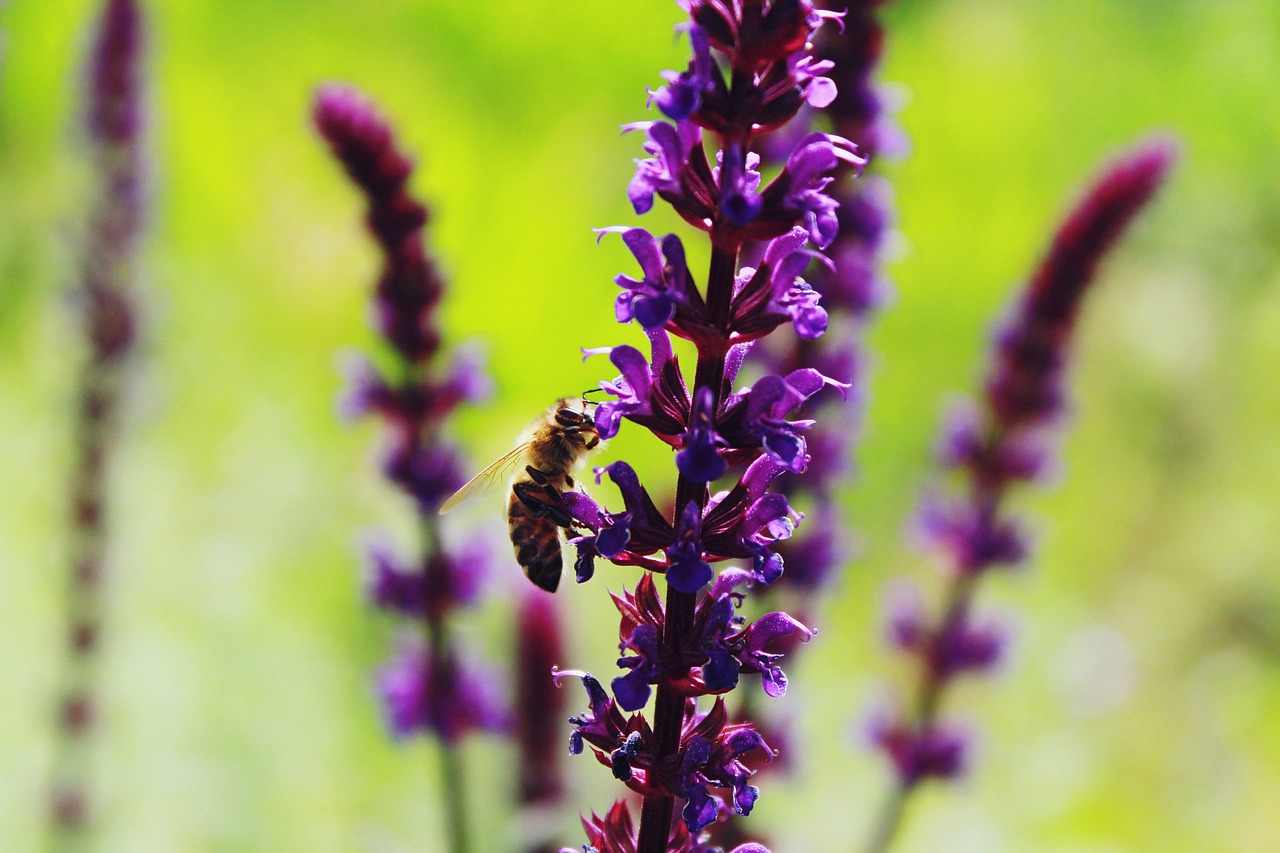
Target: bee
column 541, row 467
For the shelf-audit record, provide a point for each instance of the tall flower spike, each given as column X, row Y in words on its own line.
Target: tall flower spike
column 751, row 71
column 107, row 300
column 429, row 687
column 1024, row 400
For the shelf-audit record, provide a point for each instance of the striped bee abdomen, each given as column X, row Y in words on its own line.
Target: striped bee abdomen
column 536, row 541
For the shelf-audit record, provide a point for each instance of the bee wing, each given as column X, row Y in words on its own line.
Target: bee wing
column 497, row 471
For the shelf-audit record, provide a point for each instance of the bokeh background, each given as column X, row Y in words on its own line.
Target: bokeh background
column 1139, row 712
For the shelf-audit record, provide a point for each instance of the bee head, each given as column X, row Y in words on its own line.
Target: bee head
column 575, row 417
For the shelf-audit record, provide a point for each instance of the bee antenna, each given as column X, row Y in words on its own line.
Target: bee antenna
column 586, row 401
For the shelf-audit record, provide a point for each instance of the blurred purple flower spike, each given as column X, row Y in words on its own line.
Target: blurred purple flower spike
column 992, row 444
column 107, row 305
column 427, row 688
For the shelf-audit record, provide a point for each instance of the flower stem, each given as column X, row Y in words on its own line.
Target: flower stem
column 453, row 794
column 659, row 807
column 886, row 827
column 73, row 747
column 452, row 773
column 933, row 681
column 453, row 780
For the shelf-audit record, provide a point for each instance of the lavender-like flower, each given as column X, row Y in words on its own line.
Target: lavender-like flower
column 751, row 72
column 1005, row 438
column 107, row 300
column 430, row 687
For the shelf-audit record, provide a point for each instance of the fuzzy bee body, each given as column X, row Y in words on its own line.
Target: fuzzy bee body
column 544, row 459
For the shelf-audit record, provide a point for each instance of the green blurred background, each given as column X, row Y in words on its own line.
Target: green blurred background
column 1140, row 710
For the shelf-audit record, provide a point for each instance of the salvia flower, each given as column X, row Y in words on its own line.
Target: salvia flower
column 429, row 687
column 751, row 71
column 1002, row 439
column 699, row 458
column 650, row 392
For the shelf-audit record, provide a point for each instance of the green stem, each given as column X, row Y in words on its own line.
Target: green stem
column 453, row 780
column 452, row 770
column 933, row 683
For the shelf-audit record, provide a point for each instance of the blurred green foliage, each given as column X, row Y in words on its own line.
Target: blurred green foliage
column 237, row 710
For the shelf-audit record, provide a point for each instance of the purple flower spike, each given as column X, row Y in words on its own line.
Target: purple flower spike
column 114, row 115
column 993, row 445
column 409, row 288
column 1025, row 385
column 751, row 71
column 426, row 689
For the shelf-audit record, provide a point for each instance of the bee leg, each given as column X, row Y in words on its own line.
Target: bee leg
column 532, row 497
column 537, row 476
column 539, row 502
column 568, row 481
